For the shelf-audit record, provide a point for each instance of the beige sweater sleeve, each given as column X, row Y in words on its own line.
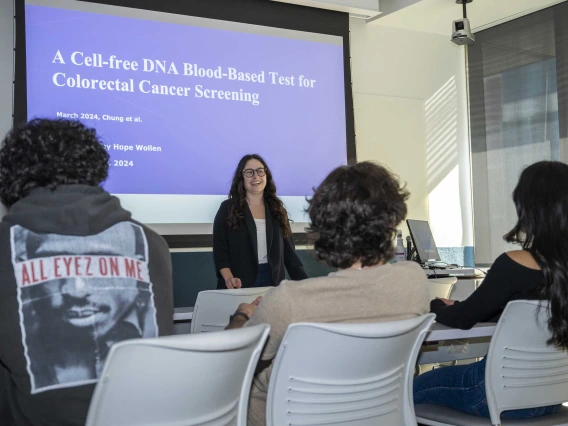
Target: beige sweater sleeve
column 275, row 310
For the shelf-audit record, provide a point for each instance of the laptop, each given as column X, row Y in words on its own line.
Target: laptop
column 427, row 252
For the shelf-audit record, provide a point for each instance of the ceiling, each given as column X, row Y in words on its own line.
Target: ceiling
column 436, row 16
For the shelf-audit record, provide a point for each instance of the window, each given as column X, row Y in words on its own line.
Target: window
column 518, row 89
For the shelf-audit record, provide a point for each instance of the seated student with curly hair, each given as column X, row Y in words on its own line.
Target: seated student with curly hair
column 354, row 213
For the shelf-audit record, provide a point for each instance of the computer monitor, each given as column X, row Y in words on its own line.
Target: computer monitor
column 423, row 241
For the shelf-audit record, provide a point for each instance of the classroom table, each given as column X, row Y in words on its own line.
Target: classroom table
column 442, row 344
column 442, row 332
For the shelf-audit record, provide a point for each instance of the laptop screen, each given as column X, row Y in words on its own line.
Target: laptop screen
column 423, row 240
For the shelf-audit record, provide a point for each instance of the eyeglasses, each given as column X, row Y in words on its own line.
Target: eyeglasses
column 250, row 172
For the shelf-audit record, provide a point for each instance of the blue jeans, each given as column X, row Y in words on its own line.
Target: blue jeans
column 263, row 279
column 462, row 388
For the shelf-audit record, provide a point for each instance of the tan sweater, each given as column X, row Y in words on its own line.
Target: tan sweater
column 386, row 293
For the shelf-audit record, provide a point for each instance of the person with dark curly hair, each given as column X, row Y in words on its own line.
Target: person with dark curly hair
column 252, row 239
column 77, row 274
column 354, row 214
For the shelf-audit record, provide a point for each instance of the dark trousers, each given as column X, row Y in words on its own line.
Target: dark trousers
column 462, row 388
column 263, row 279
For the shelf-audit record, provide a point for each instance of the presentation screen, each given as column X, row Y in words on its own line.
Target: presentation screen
column 178, row 100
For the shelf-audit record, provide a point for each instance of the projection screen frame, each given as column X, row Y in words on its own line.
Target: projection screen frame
column 254, row 12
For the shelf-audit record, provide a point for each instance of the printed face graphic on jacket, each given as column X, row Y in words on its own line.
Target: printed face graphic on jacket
column 78, row 296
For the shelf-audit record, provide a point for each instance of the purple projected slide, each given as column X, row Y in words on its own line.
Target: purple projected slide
column 178, row 105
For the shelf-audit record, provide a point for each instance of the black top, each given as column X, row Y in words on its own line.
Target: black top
column 238, row 249
column 77, row 275
column 507, row 280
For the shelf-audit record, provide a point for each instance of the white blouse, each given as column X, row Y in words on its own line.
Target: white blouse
column 261, row 240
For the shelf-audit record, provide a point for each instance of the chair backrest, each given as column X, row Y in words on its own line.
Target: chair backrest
column 214, row 307
column 190, row 379
column 356, row 374
column 522, row 370
column 441, row 287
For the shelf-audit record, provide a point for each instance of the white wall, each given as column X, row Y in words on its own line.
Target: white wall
column 410, row 101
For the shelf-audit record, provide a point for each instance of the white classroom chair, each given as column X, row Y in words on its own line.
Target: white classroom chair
column 346, row 374
column 214, row 307
column 522, row 372
column 441, row 287
column 186, row 380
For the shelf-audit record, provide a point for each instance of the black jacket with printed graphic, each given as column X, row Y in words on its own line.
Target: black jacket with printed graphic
column 77, row 275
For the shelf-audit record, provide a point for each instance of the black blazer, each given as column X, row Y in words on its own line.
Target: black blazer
column 238, row 249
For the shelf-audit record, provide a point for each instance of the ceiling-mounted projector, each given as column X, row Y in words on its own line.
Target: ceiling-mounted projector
column 461, row 29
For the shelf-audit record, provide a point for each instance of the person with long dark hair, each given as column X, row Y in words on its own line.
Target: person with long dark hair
column 538, row 271
column 252, row 239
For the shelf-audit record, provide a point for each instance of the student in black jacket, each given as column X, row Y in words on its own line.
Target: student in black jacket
column 538, row 271
column 252, row 239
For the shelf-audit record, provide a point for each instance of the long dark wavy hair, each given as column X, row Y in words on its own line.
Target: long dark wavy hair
column 238, row 197
column 541, row 200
